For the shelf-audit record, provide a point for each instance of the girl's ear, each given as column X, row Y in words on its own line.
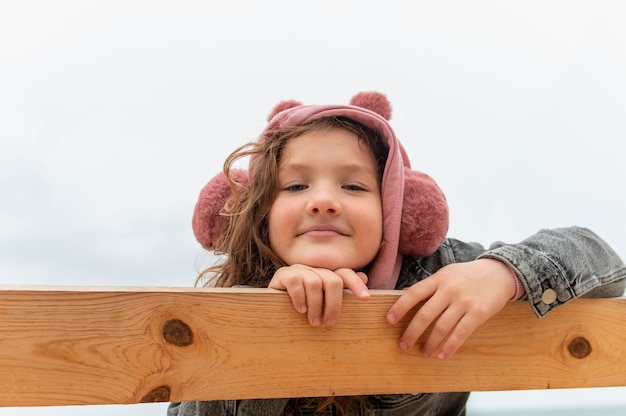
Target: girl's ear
column 425, row 220
column 209, row 219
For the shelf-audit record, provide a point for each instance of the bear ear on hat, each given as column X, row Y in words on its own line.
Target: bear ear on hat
column 373, row 101
column 282, row 106
column 209, row 221
column 425, row 216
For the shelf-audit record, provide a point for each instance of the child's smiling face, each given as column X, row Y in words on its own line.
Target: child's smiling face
column 328, row 209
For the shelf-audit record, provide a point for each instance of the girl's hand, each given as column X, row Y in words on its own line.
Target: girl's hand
column 458, row 298
column 319, row 292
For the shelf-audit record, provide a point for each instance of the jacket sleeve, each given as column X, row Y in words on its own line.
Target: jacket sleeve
column 556, row 266
column 268, row 407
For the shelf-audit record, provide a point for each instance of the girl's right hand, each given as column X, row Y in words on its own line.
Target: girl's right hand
column 319, row 292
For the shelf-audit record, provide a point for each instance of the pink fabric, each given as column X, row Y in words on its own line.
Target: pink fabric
column 207, row 221
column 519, row 287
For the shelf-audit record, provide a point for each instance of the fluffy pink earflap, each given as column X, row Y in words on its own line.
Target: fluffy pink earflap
column 424, row 217
column 209, row 221
column 424, row 221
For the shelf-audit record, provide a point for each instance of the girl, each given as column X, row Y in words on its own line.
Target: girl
column 331, row 203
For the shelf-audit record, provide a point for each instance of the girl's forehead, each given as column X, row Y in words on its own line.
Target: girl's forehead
column 334, row 145
column 336, row 138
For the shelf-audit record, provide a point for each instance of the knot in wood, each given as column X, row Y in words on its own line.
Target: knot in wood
column 160, row 394
column 579, row 347
column 178, row 333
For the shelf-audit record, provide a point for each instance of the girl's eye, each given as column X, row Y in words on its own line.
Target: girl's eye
column 353, row 187
column 295, row 187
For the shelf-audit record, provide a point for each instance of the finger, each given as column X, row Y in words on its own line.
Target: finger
column 445, row 326
column 286, row 279
column 355, row 282
column 313, row 288
column 363, row 277
column 462, row 331
column 333, row 296
column 298, row 299
column 424, row 317
column 409, row 298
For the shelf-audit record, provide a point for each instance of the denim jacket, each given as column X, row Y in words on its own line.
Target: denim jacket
column 555, row 266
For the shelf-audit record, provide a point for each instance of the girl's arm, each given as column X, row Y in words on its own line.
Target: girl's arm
column 554, row 266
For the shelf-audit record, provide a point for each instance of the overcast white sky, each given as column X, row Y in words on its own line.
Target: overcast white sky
column 114, row 114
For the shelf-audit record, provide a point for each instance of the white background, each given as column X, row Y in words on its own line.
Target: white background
column 114, row 114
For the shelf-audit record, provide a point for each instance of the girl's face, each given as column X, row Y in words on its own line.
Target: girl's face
column 328, row 210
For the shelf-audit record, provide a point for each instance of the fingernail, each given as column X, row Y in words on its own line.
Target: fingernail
column 302, row 309
column 404, row 346
column 441, row 356
column 391, row 318
column 315, row 321
column 330, row 322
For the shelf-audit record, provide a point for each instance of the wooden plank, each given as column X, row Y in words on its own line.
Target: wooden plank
column 66, row 346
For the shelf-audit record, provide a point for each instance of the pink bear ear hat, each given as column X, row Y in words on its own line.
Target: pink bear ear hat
column 415, row 211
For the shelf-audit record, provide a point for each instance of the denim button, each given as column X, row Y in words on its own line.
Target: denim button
column 548, row 297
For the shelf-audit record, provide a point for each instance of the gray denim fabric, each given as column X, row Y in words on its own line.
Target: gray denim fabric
column 555, row 266
column 444, row 404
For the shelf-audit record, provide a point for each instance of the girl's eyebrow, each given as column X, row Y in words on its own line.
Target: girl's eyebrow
column 349, row 166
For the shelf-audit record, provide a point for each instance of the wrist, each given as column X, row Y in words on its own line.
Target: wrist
column 517, row 288
column 514, row 287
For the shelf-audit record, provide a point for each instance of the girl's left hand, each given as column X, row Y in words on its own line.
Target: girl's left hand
column 318, row 292
column 458, row 298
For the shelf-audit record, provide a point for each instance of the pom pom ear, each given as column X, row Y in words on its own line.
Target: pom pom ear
column 209, row 221
column 424, row 215
column 373, row 101
column 282, row 106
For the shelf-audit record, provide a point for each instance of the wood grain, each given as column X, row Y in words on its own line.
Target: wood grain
column 69, row 345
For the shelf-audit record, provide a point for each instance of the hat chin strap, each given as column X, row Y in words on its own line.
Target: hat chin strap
column 388, row 282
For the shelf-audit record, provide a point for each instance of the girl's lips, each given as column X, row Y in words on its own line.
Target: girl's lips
column 322, row 231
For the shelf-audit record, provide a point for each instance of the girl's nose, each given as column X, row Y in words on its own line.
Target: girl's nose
column 323, row 201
